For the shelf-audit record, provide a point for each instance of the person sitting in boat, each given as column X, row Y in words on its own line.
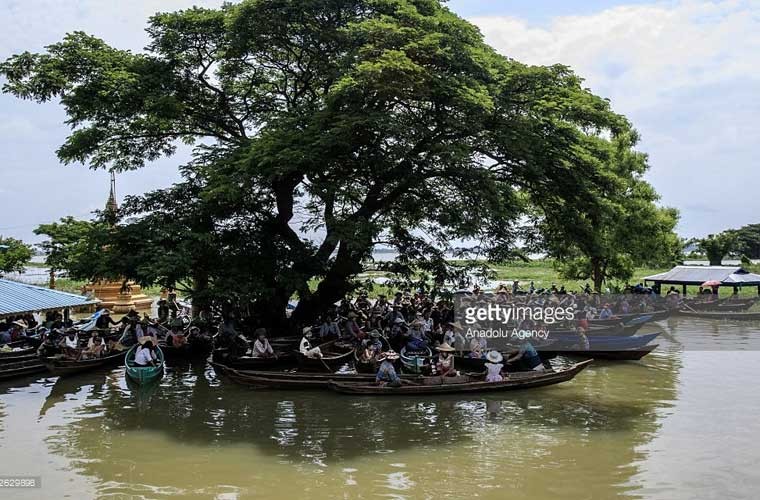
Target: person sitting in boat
column 105, row 321
column 373, row 342
column 144, row 355
column 527, row 358
column 261, row 347
column 352, row 329
column 71, row 345
column 606, row 312
column 445, row 365
column 478, row 347
column 96, row 346
column 494, row 366
column 5, row 337
column 386, row 374
column 328, row 328
column 305, row 348
column 416, row 340
column 163, row 311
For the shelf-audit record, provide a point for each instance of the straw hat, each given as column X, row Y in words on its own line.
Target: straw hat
column 374, row 334
column 21, row 323
column 445, row 347
column 145, row 338
column 389, row 355
column 494, row 357
column 306, row 331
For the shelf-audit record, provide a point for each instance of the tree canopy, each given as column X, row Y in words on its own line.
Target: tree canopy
column 322, row 128
column 14, row 254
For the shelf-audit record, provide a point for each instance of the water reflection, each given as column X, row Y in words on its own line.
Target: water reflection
column 584, row 434
column 194, row 435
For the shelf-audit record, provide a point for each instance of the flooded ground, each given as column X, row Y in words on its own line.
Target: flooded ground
column 680, row 424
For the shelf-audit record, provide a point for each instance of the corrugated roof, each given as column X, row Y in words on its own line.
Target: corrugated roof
column 696, row 275
column 17, row 298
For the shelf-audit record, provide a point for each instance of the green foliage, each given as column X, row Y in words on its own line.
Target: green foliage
column 358, row 122
column 13, row 255
column 624, row 229
column 79, row 247
column 717, row 246
column 748, row 240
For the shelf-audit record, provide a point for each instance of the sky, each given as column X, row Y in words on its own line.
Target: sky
column 686, row 73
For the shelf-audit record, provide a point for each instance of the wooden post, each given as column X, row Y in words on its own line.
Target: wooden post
column 684, row 290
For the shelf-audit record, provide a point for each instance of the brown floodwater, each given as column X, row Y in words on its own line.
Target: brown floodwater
column 681, row 424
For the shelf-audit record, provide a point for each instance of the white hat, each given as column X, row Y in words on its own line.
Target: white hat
column 390, row 355
column 494, row 357
column 306, row 330
column 445, row 347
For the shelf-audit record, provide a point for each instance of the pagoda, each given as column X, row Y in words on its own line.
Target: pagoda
column 118, row 296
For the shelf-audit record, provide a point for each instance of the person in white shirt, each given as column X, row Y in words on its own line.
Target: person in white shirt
column 71, row 345
column 262, row 348
column 144, row 355
column 95, row 345
column 305, row 347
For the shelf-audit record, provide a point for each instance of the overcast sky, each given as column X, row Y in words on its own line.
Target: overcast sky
column 687, row 73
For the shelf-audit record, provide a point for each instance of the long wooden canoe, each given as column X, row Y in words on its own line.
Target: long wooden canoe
column 291, row 380
column 741, row 316
column 282, row 360
column 62, row 366
column 333, row 357
column 463, row 384
column 21, row 368
column 631, row 354
column 143, row 375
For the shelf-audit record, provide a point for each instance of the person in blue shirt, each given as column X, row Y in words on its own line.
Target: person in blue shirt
column 527, row 357
column 386, row 374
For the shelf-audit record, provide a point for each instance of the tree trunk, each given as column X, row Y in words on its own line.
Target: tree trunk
column 597, row 274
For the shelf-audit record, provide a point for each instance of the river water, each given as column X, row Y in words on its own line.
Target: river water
column 681, row 424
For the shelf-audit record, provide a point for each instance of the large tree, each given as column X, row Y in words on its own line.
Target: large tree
column 717, row 246
column 626, row 228
column 322, row 127
column 14, row 254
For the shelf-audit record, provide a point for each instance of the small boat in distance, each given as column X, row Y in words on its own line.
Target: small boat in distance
column 143, row 375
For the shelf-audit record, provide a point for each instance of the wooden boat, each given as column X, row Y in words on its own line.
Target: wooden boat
column 282, row 361
column 463, row 384
column 631, row 354
column 18, row 356
column 601, row 343
column 63, row 366
column 334, row 355
column 415, row 362
column 143, row 375
column 21, row 368
column 191, row 350
column 291, row 380
column 741, row 316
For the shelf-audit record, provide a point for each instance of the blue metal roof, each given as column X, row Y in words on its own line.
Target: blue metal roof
column 17, row 298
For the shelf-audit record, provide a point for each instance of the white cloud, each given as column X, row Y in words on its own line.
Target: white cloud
column 686, row 73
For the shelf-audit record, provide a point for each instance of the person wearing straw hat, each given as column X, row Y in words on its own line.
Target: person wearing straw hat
column 386, row 374
column 305, row 348
column 494, row 366
column 445, row 364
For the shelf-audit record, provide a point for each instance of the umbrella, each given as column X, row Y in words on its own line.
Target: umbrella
column 711, row 283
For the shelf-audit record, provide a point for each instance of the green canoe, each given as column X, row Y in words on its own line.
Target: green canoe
column 143, row 375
